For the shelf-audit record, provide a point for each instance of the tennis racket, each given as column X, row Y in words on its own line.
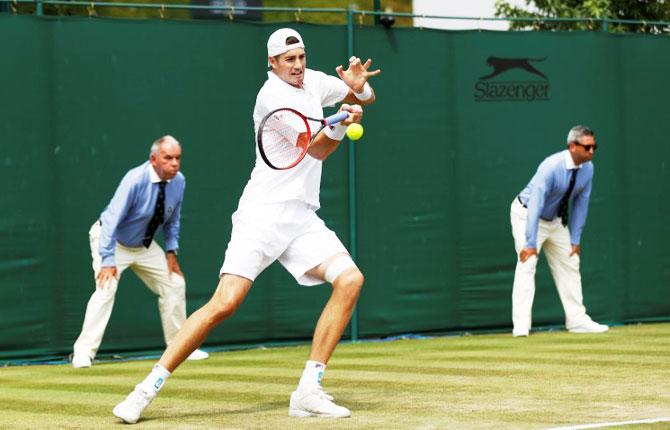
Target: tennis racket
column 284, row 136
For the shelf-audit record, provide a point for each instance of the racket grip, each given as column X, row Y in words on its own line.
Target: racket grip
column 334, row 119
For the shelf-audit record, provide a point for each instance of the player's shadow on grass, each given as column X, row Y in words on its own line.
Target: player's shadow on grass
column 258, row 407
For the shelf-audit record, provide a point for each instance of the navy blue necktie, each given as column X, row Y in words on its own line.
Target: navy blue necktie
column 157, row 218
column 563, row 205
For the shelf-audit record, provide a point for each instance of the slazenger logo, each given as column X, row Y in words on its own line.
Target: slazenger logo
column 488, row 89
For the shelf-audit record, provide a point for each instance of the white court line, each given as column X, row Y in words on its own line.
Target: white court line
column 621, row 423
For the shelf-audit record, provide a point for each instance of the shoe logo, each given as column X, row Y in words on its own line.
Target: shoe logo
column 517, row 87
column 158, row 383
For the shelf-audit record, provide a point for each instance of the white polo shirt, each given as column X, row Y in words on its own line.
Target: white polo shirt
column 303, row 181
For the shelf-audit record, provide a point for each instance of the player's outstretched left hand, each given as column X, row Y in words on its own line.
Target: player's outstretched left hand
column 357, row 73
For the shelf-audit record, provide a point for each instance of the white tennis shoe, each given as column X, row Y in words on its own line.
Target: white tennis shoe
column 315, row 403
column 589, row 326
column 130, row 409
column 198, row 354
column 81, row 361
column 520, row 332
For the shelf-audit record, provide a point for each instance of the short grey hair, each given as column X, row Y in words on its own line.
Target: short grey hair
column 161, row 140
column 577, row 132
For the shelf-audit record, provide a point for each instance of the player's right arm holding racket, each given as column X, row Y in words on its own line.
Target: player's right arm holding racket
column 360, row 93
column 326, row 142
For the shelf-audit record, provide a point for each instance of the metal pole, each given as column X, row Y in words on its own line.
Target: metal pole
column 377, row 6
column 603, row 25
column 39, row 10
column 352, row 181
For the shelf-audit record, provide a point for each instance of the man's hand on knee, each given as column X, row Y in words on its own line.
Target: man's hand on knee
column 106, row 275
column 526, row 253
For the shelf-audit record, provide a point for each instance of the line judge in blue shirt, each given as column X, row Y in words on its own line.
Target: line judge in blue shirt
column 539, row 216
column 150, row 195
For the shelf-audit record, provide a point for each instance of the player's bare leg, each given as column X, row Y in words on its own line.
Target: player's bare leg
column 309, row 399
column 336, row 315
column 228, row 297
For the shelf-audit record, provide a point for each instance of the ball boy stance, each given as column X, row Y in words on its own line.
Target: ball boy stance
column 539, row 217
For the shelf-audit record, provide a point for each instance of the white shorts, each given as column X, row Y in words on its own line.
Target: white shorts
column 290, row 232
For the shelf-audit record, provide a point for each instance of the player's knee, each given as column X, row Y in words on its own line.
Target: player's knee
column 223, row 304
column 220, row 310
column 353, row 278
column 339, row 267
column 350, row 283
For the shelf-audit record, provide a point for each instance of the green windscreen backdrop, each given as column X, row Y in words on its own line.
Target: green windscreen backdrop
column 461, row 122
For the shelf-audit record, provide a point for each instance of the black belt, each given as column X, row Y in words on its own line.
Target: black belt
column 519, row 199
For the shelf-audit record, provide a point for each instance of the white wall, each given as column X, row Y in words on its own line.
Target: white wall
column 461, row 8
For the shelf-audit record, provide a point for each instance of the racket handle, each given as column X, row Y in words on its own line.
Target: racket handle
column 334, row 119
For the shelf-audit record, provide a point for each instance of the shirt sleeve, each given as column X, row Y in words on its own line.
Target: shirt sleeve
column 113, row 214
column 539, row 186
column 580, row 209
column 332, row 90
column 172, row 225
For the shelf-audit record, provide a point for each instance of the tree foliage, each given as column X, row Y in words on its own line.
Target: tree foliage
column 648, row 12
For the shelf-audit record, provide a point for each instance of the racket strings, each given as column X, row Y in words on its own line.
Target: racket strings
column 284, row 138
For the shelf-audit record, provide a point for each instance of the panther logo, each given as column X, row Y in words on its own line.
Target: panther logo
column 501, row 65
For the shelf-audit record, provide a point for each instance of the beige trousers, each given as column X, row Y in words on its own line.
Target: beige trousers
column 554, row 239
column 150, row 265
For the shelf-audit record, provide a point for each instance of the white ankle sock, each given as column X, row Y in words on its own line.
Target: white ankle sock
column 156, row 379
column 312, row 375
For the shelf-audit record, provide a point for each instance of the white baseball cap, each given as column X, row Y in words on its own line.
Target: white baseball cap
column 277, row 41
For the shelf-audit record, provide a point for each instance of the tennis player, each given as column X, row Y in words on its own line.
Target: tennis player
column 276, row 220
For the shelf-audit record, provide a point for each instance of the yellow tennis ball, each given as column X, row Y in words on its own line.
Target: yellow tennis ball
column 354, row 131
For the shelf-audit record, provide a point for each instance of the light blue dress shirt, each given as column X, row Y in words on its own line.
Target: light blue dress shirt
column 127, row 215
column 545, row 190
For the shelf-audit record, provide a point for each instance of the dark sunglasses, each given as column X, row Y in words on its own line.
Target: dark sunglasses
column 587, row 148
